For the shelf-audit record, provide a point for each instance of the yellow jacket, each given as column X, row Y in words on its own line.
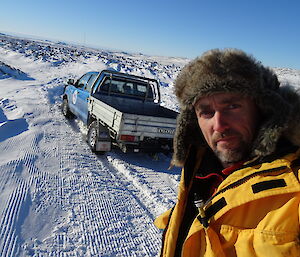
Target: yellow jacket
column 255, row 212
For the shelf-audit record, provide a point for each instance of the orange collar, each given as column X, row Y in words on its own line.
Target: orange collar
column 232, row 168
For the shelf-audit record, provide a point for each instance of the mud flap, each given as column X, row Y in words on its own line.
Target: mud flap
column 103, row 142
column 103, row 146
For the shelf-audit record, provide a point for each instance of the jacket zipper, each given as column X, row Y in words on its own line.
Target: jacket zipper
column 200, row 204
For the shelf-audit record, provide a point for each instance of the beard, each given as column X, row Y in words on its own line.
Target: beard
column 229, row 155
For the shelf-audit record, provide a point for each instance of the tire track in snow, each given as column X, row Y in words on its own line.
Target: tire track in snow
column 157, row 189
column 19, row 170
column 148, row 185
column 152, row 245
column 96, row 209
column 17, row 177
column 10, row 218
column 104, row 214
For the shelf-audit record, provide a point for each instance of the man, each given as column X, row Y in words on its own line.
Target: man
column 237, row 140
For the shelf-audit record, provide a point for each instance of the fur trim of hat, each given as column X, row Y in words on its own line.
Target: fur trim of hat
column 232, row 70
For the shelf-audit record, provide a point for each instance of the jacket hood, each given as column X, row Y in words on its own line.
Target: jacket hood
column 232, row 70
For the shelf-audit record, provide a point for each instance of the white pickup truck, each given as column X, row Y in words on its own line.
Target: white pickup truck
column 121, row 109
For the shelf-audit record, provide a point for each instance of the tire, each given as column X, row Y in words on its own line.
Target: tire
column 66, row 110
column 92, row 135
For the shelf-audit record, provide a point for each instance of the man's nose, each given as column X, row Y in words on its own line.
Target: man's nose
column 220, row 122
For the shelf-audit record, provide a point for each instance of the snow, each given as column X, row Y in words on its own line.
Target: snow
column 57, row 198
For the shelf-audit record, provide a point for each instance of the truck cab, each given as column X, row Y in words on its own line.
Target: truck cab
column 77, row 95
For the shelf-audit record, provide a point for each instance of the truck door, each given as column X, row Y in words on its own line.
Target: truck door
column 77, row 95
column 83, row 97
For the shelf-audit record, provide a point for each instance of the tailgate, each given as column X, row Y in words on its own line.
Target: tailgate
column 148, row 126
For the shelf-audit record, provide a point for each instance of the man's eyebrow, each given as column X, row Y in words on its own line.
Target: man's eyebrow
column 231, row 99
column 202, row 106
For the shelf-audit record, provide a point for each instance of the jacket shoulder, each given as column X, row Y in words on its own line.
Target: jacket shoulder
column 295, row 165
column 161, row 222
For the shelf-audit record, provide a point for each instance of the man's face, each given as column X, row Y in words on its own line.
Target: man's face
column 228, row 123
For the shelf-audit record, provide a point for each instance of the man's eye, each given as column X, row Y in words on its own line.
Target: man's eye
column 206, row 114
column 234, row 106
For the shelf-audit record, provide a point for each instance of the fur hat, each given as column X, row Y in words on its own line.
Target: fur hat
column 232, row 70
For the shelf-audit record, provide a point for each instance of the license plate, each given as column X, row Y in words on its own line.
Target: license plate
column 166, row 130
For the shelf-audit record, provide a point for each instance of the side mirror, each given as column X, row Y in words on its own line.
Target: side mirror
column 71, row 82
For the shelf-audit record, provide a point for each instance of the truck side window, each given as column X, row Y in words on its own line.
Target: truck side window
column 150, row 93
column 141, row 90
column 114, row 86
column 104, row 86
column 83, row 81
column 127, row 88
column 90, row 83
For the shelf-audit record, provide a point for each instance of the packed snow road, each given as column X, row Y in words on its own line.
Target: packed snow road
column 57, row 197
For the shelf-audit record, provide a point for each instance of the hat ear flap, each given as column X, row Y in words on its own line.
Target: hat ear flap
column 274, row 120
column 292, row 96
column 187, row 133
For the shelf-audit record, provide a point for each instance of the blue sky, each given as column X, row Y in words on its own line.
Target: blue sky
column 267, row 29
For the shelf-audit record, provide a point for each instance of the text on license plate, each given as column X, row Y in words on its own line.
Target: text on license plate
column 166, row 131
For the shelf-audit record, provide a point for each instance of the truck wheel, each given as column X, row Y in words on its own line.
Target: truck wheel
column 66, row 110
column 92, row 137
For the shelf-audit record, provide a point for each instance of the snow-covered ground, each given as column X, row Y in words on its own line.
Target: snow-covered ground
column 57, row 198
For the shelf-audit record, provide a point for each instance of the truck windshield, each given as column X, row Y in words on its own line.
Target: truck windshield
column 124, row 87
